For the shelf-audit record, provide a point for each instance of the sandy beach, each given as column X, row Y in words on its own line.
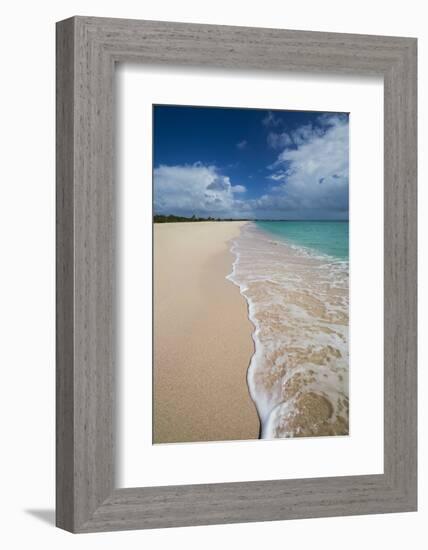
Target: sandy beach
column 202, row 337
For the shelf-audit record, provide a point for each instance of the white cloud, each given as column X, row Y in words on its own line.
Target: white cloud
column 277, row 141
column 238, row 189
column 271, row 120
column 277, row 176
column 311, row 173
column 303, row 133
column 242, row 144
column 309, row 179
column 195, row 189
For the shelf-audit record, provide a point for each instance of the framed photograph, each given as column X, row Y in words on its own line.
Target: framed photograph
column 236, row 274
column 287, row 225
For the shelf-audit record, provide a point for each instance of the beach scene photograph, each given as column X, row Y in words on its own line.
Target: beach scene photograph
column 250, row 274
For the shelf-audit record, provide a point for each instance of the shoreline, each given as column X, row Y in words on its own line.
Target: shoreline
column 203, row 340
column 298, row 374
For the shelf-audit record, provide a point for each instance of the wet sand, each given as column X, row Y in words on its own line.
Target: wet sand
column 202, row 337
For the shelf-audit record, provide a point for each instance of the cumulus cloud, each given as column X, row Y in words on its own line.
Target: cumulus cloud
column 308, row 179
column 311, row 172
column 219, row 183
column 195, row 189
column 238, row 188
column 277, row 141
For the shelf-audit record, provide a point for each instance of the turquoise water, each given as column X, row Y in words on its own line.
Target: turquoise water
column 298, row 304
column 326, row 237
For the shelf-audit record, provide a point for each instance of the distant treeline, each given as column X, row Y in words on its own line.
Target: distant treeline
column 160, row 218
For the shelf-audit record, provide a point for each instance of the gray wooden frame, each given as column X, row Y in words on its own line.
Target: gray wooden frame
column 87, row 50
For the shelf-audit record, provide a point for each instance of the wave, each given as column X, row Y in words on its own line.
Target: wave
column 298, row 304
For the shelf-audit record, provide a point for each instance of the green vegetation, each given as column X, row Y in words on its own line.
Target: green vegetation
column 161, row 218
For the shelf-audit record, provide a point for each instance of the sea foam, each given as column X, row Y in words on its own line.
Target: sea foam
column 298, row 304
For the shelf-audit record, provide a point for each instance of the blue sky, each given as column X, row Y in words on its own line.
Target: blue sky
column 250, row 163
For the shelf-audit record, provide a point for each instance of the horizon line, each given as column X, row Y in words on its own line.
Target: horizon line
column 212, row 218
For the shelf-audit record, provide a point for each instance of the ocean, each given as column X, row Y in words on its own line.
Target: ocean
column 295, row 278
column 325, row 237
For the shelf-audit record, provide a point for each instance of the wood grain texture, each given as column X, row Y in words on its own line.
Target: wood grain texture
column 87, row 49
column 64, row 276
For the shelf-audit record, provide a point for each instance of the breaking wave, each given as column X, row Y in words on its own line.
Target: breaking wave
column 298, row 302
